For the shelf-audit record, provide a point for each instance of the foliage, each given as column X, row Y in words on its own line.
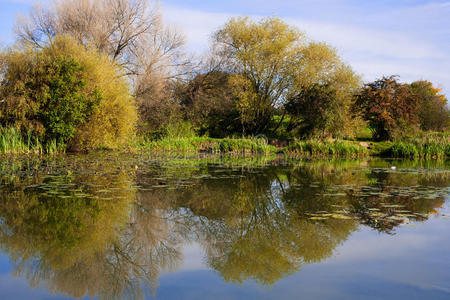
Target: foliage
column 246, row 99
column 264, row 53
column 63, row 106
column 207, row 102
column 316, row 148
column 388, row 106
column 12, row 141
column 323, row 89
column 205, row 144
column 68, row 93
column 433, row 112
column 130, row 32
column 72, row 76
column 315, row 106
column 427, row 147
column 271, row 63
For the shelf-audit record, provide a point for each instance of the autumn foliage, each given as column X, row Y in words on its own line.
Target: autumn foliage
column 388, row 106
column 68, row 93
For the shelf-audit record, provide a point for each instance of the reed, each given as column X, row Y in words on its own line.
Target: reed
column 12, row 141
column 331, row 148
column 210, row 145
column 428, row 147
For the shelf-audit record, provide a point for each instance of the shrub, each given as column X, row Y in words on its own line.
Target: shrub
column 66, row 93
column 207, row 101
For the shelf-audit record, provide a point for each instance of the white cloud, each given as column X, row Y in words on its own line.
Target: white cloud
column 371, row 49
column 369, row 41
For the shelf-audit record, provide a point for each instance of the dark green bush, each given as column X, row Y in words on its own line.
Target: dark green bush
column 63, row 105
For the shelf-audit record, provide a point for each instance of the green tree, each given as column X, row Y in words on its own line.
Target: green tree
column 63, row 105
column 66, row 92
column 323, row 89
column 272, row 62
column 315, row 106
column 388, row 106
column 264, row 54
column 207, row 101
column 433, row 112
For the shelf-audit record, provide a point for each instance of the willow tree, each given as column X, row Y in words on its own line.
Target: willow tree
column 321, row 96
column 262, row 55
column 271, row 62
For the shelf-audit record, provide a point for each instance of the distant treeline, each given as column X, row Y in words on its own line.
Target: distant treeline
column 87, row 74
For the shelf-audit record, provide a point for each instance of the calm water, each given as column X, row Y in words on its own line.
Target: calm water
column 135, row 226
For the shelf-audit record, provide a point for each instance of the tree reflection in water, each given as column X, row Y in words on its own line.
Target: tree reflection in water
column 108, row 227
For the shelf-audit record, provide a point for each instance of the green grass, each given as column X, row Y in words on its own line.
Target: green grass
column 380, row 148
column 431, row 147
column 363, row 134
column 318, row 148
column 210, row 145
column 12, row 141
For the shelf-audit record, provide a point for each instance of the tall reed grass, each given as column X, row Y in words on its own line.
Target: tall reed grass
column 429, row 147
column 12, row 141
column 332, row 148
column 211, row 145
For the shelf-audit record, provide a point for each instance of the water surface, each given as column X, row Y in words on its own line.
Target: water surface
column 135, row 226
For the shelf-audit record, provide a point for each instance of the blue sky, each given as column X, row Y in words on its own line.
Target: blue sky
column 410, row 38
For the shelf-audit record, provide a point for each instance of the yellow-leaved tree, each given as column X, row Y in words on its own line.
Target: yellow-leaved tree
column 273, row 64
column 68, row 93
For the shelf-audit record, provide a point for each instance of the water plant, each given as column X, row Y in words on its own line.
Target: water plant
column 428, row 147
column 335, row 148
column 212, row 145
column 12, row 141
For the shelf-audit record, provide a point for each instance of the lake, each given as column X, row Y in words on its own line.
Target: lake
column 107, row 225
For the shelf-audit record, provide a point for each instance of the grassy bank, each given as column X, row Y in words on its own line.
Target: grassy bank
column 317, row 148
column 428, row 148
column 12, row 141
column 211, row 145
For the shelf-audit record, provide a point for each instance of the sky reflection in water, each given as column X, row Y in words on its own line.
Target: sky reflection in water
column 223, row 228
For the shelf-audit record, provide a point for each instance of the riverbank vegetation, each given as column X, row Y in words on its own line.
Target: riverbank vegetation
column 337, row 148
column 109, row 74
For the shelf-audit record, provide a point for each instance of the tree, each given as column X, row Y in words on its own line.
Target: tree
column 433, row 112
column 66, row 92
column 130, row 32
column 264, row 54
column 272, row 62
column 315, row 106
column 321, row 96
column 388, row 106
column 208, row 102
